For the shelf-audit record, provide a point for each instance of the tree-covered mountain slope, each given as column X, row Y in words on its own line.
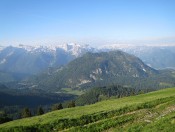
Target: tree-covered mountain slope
column 102, row 69
column 146, row 112
column 97, row 94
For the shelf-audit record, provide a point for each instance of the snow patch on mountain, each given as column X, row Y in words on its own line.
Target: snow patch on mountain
column 9, row 54
column 82, row 81
column 71, row 48
column 2, row 47
column 3, row 61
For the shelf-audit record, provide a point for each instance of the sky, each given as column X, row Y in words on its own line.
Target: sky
column 86, row 21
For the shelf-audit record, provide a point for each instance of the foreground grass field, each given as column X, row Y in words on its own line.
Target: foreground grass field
column 154, row 111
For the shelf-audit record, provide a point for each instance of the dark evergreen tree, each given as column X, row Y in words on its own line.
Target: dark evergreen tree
column 4, row 118
column 40, row 111
column 60, row 106
column 26, row 113
column 57, row 107
column 71, row 104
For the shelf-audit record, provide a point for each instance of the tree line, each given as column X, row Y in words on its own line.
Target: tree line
column 27, row 112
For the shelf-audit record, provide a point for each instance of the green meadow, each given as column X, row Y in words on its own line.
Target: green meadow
column 154, row 111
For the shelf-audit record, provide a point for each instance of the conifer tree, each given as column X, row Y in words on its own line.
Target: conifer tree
column 26, row 113
column 57, row 107
column 40, row 111
column 71, row 104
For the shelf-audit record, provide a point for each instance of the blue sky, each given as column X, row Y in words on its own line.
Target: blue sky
column 85, row 21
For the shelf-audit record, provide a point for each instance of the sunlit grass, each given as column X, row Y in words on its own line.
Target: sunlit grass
column 104, row 106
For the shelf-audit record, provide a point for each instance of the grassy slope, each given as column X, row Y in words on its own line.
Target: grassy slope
column 104, row 106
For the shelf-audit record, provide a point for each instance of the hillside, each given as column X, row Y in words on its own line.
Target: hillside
column 97, row 94
column 95, row 69
column 102, row 69
column 146, row 112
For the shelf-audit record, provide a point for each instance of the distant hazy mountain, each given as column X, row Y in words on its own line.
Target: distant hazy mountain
column 158, row 56
column 34, row 59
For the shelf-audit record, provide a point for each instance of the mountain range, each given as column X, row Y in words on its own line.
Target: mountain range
column 101, row 69
column 22, row 61
column 30, row 60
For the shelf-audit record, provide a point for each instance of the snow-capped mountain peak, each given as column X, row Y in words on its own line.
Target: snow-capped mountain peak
column 33, row 59
column 71, row 48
